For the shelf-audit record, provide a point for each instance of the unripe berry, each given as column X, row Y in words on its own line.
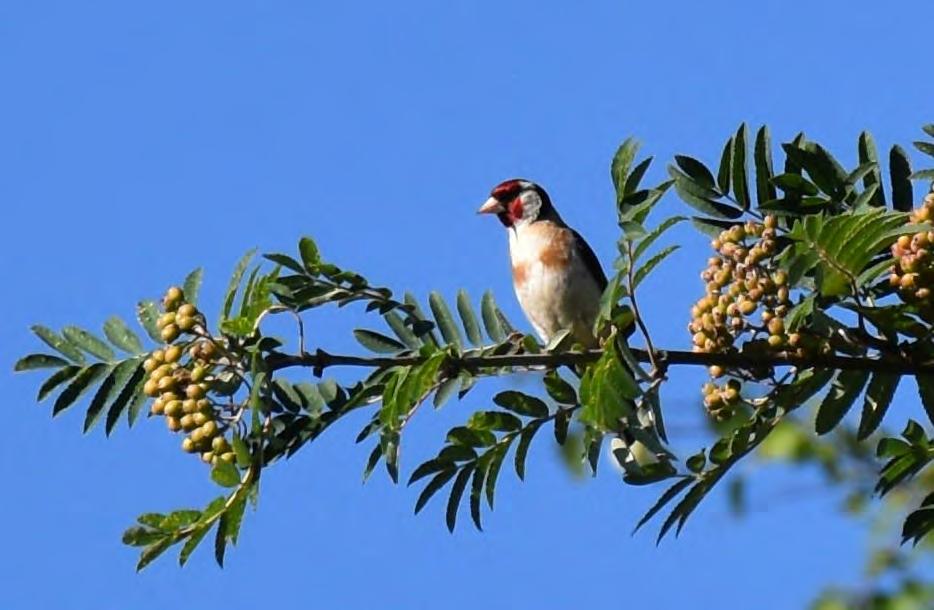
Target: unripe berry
column 186, row 323
column 173, row 408
column 200, row 418
column 169, row 333
column 149, row 365
column 228, row 457
column 187, row 310
column 165, row 319
column 195, row 391
column 187, row 423
column 166, row 383
column 157, row 408
column 716, row 371
column 776, row 326
column 173, row 353
column 173, row 424
column 173, row 297
column 151, row 388
column 188, row 445
column 219, row 444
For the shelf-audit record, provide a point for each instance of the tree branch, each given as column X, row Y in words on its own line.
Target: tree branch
column 321, row 360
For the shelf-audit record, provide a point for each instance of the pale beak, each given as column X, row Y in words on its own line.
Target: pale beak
column 491, row 206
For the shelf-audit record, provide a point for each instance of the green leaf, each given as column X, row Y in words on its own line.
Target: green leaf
column 700, row 197
column 444, row 319
column 724, row 174
column 461, row 435
column 525, row 441
column 868, row 154
column 56, row 379
column 141, row 536
column 88, row 342
column 924, row 174
column 38, row 361
column 59, row 344
column 108, row 390
column 422, row 327
column 740, row 181
column 643, row 271
column 795, row 183
column 560, row 390
column 491, row 320
column 375, row 342
column 435, row 484
column 763, row 160
column 82, row 381
column 444, row 392
column 635, row 176
column 225, row 474
column 233, row 517
column 653, row 235
column 234, row 285
column 118, row 333
column 670, row 494
column 286, row 261
column 843, row 392
column 131, row 394
column 468, row 318
column 709, row 226
column 311, row 257
column 926, row 391
column 696, row 170
column 192, row 285
column 497, row 457
column 401, row 330
column 476, row 488
column 148, row 314
column 192, row 543
column 879, row 396
column 153, row 551
column 925, row 147
column 900, row 173
column 494, row 420
column 520, row 403
column 619, row 168
column 607, row 391
column 241, row 450
column 457, row 492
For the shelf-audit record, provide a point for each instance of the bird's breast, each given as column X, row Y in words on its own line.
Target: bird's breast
column 552, row 284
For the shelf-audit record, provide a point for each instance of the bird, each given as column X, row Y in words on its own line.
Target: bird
column 556, row 275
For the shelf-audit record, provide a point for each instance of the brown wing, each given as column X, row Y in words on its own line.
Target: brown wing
column 590, row 260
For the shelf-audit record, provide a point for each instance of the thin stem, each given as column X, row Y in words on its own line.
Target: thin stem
column 321, row 360
column 635, row 310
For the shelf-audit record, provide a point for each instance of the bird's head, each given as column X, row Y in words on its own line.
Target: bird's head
column 517, row 202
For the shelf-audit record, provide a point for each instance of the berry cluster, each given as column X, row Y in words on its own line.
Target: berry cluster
column 720, row 401
column 742, row 280
column 180, row 388
column 913, row 272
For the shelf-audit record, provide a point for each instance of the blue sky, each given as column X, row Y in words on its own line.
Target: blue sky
column 137, row 142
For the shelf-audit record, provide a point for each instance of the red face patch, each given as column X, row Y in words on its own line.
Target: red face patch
column 515, row 209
